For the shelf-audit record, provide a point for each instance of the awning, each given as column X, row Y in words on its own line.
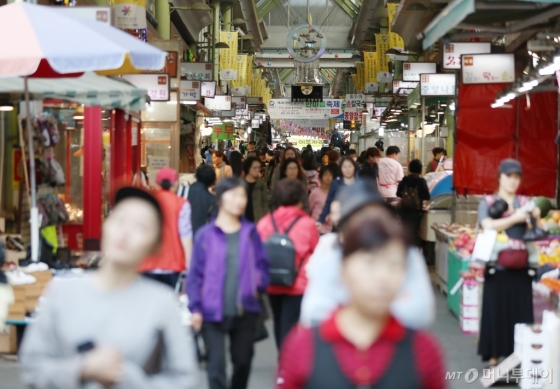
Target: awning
column 89, row 89
column 447, row 19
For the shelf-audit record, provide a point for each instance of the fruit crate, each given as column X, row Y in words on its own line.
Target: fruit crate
column 455, row 265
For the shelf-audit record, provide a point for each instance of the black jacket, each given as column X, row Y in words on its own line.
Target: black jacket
column 203, row 205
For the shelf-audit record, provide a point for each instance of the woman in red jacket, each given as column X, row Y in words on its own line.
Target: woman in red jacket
column 362, row 345
column 285, row 301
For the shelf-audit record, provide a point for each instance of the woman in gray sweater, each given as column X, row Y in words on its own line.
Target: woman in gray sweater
column 112, row 328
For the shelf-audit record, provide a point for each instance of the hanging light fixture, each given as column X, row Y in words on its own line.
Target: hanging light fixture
column 78, row 113
column 6, row 106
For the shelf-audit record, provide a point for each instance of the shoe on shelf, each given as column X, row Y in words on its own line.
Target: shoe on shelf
column 34, row 267
column 14, row 243
column 17, row 278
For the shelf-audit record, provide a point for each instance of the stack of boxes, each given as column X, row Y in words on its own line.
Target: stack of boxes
column 535, row 357
column 469, row 318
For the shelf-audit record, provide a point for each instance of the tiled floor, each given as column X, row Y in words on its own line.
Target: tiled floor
column 460, row 351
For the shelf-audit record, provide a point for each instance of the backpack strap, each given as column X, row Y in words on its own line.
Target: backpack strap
column 292, row 225
column 273, row 222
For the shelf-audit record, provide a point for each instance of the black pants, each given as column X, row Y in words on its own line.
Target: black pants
column 241, row 333
column 169, row 279
column 285, row 311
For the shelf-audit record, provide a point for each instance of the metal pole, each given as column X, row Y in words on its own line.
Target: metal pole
column 327, row 4
column 517, row 128
column 2, row 131
column 31, row 154
column 216, row 37
column 423, row 125
column 289, row 5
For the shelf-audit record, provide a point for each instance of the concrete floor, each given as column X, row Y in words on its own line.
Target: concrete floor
column 459, row 348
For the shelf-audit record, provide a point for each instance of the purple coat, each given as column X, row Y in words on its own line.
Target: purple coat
column 205, row 282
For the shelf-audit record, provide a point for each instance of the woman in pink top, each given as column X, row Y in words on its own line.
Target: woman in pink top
column 318, row 197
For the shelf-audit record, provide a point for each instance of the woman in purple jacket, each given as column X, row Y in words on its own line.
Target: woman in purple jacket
column 229, row 269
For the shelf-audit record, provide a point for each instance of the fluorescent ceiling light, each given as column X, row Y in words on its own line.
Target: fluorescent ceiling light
column 6, row 108
column 188, row 102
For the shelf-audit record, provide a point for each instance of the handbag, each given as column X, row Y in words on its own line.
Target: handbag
column 262, row 332
column 513, row 259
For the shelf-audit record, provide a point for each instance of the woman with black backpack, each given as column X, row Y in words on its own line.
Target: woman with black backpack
column 288, row 226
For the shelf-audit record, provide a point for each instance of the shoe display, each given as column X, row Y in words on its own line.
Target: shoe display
column 17, row 277
column 34, row 267
column 14, row 243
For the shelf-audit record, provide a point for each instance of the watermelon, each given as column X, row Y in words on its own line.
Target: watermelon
column 544, row 204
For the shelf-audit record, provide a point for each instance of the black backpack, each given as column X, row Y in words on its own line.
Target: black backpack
column 410, row 198
column 282, row 254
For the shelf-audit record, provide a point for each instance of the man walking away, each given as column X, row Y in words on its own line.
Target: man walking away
column 203, row 203
column 176, row 238
column 390, row 174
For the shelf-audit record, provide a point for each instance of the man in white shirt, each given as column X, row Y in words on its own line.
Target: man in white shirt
column 390, row 173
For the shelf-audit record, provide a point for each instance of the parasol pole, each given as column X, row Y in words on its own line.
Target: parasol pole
column 31, row 153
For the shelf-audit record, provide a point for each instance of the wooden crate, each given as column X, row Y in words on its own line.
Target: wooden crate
column 8, row 340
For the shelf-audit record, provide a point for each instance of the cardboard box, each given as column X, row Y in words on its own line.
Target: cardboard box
column 14, row 256
column 469, row 293
column 470, row 326
column 8, row 340
column 469, row 312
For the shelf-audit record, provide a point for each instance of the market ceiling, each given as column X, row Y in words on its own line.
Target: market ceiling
column 492, row 17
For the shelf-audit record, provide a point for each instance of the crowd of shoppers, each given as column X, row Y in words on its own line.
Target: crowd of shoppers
column 359, row 288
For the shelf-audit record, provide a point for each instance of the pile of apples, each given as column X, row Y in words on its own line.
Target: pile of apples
column 464, row 244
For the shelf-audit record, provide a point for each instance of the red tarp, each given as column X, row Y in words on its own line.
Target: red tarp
column 486, row 135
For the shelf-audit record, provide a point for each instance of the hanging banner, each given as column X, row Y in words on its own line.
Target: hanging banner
column 452, row 52
column 370, row 66
column 360, row 77
column 384, row 77
column 412, row 70
column 437, row 84
column 241, row 71
column 302, row 141
column 382, row 44
column 371, row 87
column 228, row 75
column 392, row 9
column 129, row 14
column 228, row 57
column 196, row 71
column 353, row 106
column 190, row 90
column 396, row 42
column 285, row 109
column 488, row 68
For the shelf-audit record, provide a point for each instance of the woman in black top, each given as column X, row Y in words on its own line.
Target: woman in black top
column 413, row 192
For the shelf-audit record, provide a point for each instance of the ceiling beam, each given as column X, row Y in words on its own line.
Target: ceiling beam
column 267, row 7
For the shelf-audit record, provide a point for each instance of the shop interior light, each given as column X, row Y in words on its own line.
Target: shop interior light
column 78, row 113
column 5, row 107
column 497, row 104
column 444, row 104
column 188, row 102
column 433, row 113
column 452, row 106
column 381, row 131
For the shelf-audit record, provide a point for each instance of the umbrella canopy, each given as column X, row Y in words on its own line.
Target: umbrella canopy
column 44, row 41
column 89, row 89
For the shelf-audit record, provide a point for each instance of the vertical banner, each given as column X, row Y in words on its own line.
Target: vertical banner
column 360, row 78
column 355, row 81
column 241, row 71
column 395, row 41
column 228, row 57
column 129, row 14
column 249, row 74
column 392, row 9
column 382, row 43
column 370, row 64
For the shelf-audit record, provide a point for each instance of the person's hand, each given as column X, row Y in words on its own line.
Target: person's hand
column 103, row 365
column 196, row 321
column 536, row 213
column 520, row 216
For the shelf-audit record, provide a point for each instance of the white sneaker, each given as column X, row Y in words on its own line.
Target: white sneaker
column 35, row 267
column 18, row 278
